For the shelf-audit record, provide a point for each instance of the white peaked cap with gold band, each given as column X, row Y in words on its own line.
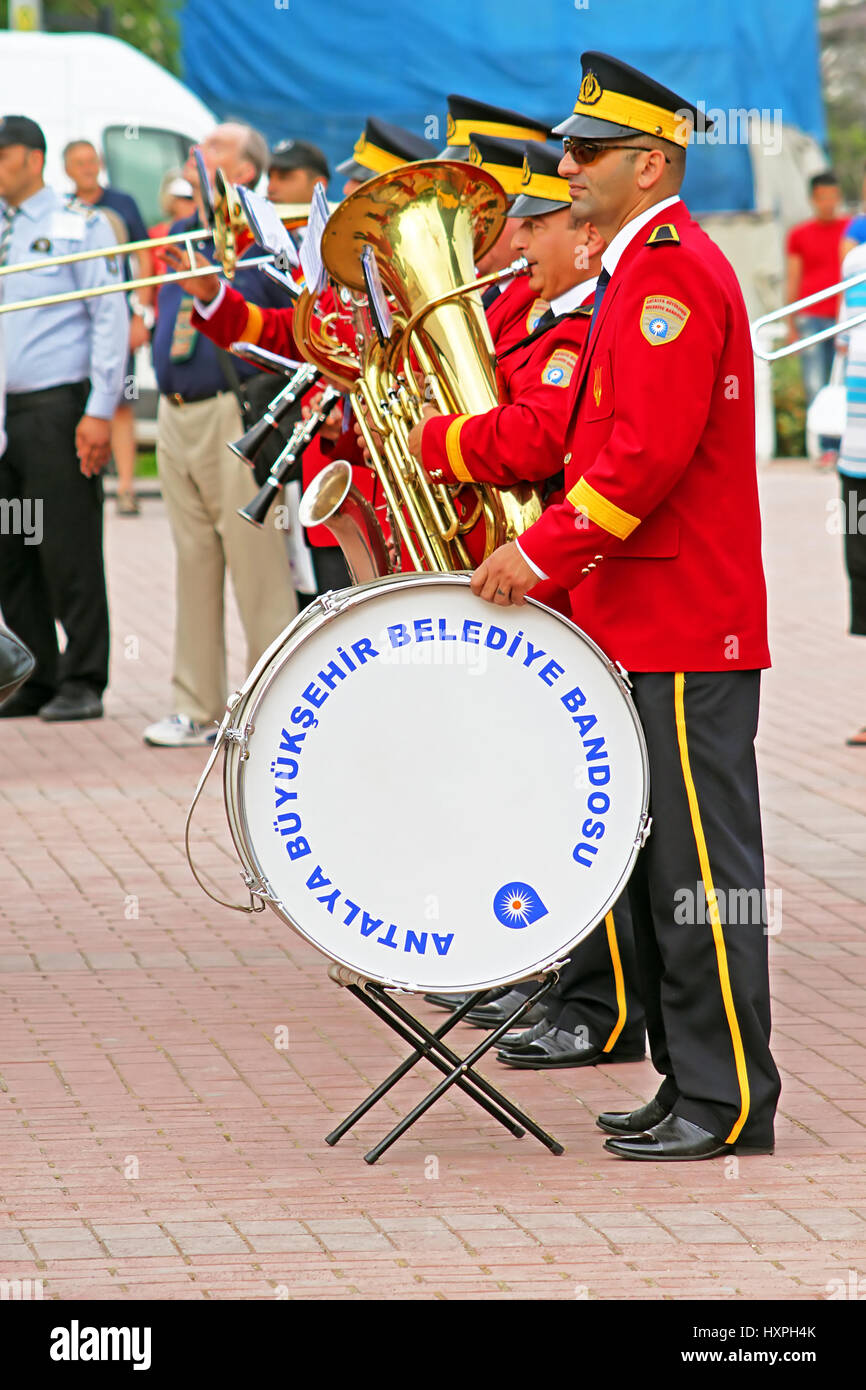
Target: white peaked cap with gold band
column 615, row 100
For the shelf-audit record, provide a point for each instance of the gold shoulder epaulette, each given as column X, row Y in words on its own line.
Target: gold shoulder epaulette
column 666, row 234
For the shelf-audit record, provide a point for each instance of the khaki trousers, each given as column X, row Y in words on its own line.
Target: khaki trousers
column 203, row 484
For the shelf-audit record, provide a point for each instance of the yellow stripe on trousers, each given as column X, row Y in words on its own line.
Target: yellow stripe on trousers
column 613, row 944
column 715, row 920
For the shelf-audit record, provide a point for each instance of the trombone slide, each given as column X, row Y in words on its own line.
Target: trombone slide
column 788, row 309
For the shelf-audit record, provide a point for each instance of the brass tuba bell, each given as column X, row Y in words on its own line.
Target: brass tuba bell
column 427, row 224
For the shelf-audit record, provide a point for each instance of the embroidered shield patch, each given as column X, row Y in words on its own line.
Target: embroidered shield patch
column 662, row 319
column 559, row 368
column 537, row 309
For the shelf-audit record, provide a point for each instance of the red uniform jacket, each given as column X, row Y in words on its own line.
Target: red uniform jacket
column 660, row 525
column 514, row 313
column 522, row 439
column 238, row 321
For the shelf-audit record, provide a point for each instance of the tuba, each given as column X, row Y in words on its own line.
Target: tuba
column 426, row 225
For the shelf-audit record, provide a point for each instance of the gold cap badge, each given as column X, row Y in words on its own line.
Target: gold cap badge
column 590, row 89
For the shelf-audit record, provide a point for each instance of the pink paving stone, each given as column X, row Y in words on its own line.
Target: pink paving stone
column 153, row 1036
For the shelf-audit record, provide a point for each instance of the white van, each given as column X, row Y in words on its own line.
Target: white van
column 92, row 87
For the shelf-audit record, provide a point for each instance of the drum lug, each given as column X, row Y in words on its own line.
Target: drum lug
column 330, row 601
column 259, row 888
column 624, row 676
column 241, row 738
column 643, row 833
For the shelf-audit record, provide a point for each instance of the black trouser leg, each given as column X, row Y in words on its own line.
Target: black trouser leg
column 700, row 906
column 853, row 515
column 23, row 593
column 330, row 566
column 598, row 987
column 648, row 965
column 62, row 577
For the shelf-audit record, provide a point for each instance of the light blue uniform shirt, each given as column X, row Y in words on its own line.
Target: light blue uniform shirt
column 852, row 451
column 61, row 343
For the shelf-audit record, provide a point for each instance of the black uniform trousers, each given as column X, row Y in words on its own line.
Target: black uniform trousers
column 62, row 576
column 698, row 903
column 854, row 509
column 597, row 988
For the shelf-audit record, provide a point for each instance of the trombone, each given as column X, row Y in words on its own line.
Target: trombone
column 787, row 310
column 228, row 219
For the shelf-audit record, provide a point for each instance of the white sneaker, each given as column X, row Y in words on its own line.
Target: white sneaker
column 178, row 731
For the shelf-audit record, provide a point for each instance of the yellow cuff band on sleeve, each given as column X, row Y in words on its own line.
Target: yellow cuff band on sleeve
column 603, row 513
column 253, row 326
column 452, row 449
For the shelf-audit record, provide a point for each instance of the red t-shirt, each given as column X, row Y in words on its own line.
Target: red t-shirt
column 817, row 245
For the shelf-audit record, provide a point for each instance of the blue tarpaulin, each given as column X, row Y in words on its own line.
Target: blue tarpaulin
column 315, row 69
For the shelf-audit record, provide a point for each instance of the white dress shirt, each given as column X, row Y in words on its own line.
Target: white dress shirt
column 610, row 260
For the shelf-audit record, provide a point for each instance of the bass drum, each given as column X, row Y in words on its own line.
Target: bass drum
column 437, row 793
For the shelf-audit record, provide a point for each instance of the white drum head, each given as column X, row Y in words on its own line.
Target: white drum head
column 439, row 793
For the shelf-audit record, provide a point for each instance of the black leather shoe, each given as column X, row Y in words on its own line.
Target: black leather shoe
column 453, row 1001
column 516, row 1042
column 492, row 1014
column 22, row 704
column 447, row 1001
column 559, row 1048
column 675, row 1140
column 633, row 1121
column 74, row 702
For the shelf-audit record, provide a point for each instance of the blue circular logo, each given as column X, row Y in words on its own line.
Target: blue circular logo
column 555, row 375
column 517, row 905
column 658, row 328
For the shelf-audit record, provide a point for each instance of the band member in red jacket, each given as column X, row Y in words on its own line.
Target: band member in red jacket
column 593, row 1014
column 223, row 315
column 659, row 534
column 512, row 306
column 522, row 439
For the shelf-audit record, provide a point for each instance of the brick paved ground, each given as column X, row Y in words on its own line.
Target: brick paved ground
column 154, row 1143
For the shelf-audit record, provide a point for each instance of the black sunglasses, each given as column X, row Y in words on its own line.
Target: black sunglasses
column 588, row 151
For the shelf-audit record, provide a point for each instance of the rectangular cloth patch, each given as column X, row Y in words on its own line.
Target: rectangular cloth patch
column 559, row 368
column 662, row 319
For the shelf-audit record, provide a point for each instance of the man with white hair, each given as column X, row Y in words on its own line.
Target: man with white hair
column 203, row 483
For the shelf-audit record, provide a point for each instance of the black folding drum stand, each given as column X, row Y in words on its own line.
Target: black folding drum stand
column 456, row 1070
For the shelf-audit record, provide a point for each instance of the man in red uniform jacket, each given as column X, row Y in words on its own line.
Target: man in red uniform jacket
column 660, row 528
column 593, row 1013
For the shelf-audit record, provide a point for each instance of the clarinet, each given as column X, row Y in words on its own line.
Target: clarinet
column 287, row 466
column 251, row 443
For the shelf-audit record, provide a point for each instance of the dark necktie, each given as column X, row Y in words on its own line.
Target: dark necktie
column 490, row 295
column 547, row 318
column 603, row 282
column 6, row 221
